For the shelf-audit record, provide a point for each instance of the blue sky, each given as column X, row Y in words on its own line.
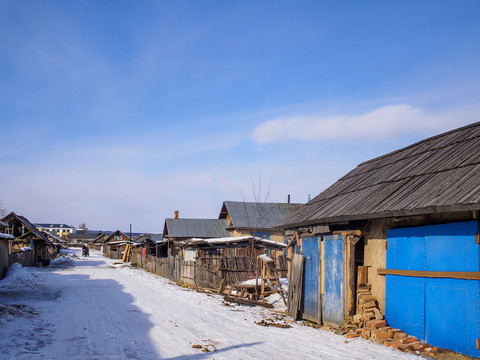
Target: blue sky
column 119, row 112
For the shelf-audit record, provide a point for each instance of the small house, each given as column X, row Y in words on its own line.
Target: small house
column 114, row 244
column 28, row 237
column 177, row 230
column 407, row 224
column 257, row 219
column 4, row 250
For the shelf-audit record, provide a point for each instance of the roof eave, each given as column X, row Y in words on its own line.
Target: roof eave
column 387, row 214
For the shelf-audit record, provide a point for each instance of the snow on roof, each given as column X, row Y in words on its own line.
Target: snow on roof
column 265, row 257
column 6, row 236
column 232, row 241
column 122, row 242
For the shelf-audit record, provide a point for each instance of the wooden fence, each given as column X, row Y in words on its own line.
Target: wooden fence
column 25, row 258
column 206, row 272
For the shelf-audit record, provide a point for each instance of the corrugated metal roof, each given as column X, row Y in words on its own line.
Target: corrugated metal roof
column 257, row 215
column 437, row 174
column 200, row 228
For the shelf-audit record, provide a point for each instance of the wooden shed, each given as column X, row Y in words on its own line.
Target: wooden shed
column 177, row 230
column 406, row 223
column 114, row 244
column 27, row 236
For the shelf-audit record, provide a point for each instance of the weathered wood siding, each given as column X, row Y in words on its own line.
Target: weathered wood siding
column 4, row 263
column 25, row 258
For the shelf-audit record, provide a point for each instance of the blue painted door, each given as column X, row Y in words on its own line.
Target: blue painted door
column 311, row 302
column 333, row 297
column 442, row 312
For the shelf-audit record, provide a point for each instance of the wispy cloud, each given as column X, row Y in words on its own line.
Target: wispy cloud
column 385, row 122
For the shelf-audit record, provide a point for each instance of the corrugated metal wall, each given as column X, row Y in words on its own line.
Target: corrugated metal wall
column 443, row 312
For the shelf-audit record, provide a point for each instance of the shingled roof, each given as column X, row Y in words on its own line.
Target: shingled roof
column 28, row 225
column 438, row 174
column 256, row 215
column 198, row 228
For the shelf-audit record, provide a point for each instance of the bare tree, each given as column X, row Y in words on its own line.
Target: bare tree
column 83, row 227
column 3, row 209
column 261, row 194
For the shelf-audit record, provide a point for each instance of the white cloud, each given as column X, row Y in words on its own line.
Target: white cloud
column 384, row 123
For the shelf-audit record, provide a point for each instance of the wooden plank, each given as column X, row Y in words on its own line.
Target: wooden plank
column 464, row 275
column 350, row 275
column 362, row 275
column 221, row 287
column 247, row 302
column 295, row 287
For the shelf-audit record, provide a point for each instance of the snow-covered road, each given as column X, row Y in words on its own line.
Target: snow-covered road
column 96, row 308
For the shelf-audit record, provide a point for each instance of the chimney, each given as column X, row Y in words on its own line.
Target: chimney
column 288, row 199
column 176, row 214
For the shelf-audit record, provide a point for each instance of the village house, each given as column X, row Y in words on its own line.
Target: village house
column 80, row 238
column 113, row 244
column 4, row 249
column 406, row 223
column 27, row 238
column 177, row 230
column 151, row 244
column 257, row 218
column 58, row 229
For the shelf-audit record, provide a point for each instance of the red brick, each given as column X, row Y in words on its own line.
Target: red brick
column 381, row 336
column 377, row 324
column 391, row 332
column 370, row 305
column 366, row 299
column 409, row 340
column 416, row 346
column 366, row 334
column 352, row 335
column 399, row 335
column 393, row 343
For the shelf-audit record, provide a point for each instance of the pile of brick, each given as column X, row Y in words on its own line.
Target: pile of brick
column 369, row 324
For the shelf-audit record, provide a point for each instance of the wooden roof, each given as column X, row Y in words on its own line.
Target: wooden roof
column 438, row 174
column 256, row 215
column 28, row 226
column 200, row 228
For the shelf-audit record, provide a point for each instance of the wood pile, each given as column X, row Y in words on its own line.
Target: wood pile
column 369, row 324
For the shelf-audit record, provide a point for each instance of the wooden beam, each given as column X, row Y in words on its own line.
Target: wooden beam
column 247, row 302
column 464, row 275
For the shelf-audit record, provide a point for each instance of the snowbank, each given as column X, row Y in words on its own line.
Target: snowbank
column 18, row 276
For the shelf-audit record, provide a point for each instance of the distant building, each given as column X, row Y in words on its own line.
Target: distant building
column 59, row 229
column 256, row 218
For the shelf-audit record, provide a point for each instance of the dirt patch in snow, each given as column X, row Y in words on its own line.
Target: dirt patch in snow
column 207, row 346
column 270, row 322
column 10, row 312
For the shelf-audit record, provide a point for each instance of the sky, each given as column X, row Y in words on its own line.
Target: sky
column 120, row 112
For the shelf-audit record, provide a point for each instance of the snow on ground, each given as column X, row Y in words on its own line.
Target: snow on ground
column 98, row 308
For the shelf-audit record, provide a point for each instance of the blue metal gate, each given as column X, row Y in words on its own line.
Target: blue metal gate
column 311, row 302
column 333, row 296
column 443, row 312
